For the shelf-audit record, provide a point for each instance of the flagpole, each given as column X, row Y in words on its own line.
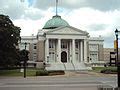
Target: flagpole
column 56, row 6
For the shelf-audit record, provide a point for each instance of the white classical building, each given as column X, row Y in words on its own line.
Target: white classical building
column 63, row 47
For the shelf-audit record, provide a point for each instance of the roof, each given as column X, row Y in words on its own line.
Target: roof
column 55, row 22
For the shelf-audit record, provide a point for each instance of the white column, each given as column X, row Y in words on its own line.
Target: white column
column 59, row 50
column 73, row 50
column 85, row 50
column 70, row 51
column 47, row 50
column 81, row 50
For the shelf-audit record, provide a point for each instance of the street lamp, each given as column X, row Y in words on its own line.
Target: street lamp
column 25, row 61
column 118, row 63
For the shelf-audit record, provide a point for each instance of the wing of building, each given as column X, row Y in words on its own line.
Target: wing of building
column 62, row 47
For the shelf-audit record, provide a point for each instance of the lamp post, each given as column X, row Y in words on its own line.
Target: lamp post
column 118, row 63
column 25, row 61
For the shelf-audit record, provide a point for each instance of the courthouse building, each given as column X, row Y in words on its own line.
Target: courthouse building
column 60, row 46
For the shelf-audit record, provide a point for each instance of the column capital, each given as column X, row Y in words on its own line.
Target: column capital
column 59, row 38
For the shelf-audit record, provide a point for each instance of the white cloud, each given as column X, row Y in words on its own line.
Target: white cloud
column 98, row 17
column 96, row 22
column 28, row 27
column 31, row 26
column 103, row 5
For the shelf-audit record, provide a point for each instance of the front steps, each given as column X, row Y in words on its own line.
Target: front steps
column 68, row 66
column 55, row 66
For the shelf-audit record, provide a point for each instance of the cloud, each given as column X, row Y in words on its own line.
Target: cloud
column 89, row 18
column 17, row 9
column 96, row 22
column 31, row 26
column 44, row 4
column 98, row 17
column 28, row 27
column 98, row 27
column 12, row 8
column 102, row 5
column 33, row 13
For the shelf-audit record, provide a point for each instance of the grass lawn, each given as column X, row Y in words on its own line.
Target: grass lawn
column 16, row 72
column 32, row 71
column 98, row 69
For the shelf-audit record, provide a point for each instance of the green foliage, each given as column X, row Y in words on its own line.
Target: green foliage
column 10, row 73
column 9, row 37
column 24, row 55
column 97, row 69
column 109, row 70
column 16, row 72
column 52, row 72
column 56, row 72
column 42, row 73
column 105, row 69
column 30, row 72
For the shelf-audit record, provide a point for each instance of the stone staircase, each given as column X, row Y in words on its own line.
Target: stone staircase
column 55, row 66
column 68, row 66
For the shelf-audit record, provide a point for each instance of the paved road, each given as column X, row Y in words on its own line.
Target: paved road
column 79, row 82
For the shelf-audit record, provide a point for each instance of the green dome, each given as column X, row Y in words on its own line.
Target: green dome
column 55, row 22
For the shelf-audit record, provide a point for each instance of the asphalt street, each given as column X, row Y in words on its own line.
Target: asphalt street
column 69, row 82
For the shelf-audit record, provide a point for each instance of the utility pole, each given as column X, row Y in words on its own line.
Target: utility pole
column 117, row 59
column 25, row 61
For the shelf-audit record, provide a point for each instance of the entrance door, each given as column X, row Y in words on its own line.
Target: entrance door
column 64, row 57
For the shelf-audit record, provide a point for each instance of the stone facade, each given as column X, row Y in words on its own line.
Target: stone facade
column 96, row 49
column 107, row 54
column 69, row 49
column 59, row 46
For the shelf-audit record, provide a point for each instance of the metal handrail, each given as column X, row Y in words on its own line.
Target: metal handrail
column 64, row 66
column 73, row 65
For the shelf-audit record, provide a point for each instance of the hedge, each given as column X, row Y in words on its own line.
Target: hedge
column 49, row 73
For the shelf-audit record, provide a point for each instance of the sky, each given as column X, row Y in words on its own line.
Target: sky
column 97, row 17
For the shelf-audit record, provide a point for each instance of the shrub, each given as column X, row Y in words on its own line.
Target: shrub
column 52, row 72
column 42, row 73
column 56, row 72
column 109, row 71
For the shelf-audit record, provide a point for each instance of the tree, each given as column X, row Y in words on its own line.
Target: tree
column 24, row 55
column 9, row 37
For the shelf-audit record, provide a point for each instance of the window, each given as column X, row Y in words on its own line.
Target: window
column 35, row 47
column 34, row 56
column 51, row 44
column 51, row 56
column 93, row 47
column 94, row 57
column 77, row 56
column 76, row 45
column 64, row 45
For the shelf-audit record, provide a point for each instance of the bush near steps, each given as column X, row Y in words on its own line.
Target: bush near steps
column 49, row 73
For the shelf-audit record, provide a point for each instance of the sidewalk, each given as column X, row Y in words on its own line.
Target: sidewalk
column 86, row 73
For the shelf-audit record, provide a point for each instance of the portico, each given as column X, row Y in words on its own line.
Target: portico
column 66, row 46
column 72, row 49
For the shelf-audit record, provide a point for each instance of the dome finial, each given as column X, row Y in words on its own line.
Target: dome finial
column 56, row 6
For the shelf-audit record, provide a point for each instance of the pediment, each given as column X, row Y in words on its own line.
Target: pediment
column 66, row 30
